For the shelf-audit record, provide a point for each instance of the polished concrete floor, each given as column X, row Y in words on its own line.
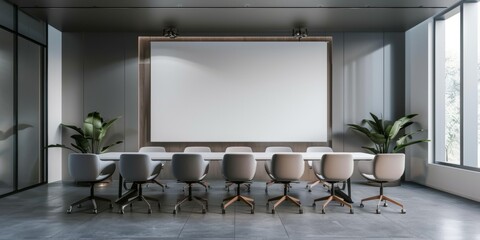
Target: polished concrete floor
column 39, row 213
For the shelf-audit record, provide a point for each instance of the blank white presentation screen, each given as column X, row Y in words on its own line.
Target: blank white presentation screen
column 239, row 92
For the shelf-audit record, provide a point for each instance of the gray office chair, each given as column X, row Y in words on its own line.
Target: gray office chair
column 200, row 149
column 189, row 168
column 155, row 149
column 312, row 184
column 237, row 149
column 88, row 168
column 238, row 168
column 138, row 169
column 286, row 168
column 268, row 163
column 334, row 168
column 385, row 167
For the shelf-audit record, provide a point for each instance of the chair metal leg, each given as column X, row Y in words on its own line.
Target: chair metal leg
column 203, row 202
column 332, row 197
column 284, row 197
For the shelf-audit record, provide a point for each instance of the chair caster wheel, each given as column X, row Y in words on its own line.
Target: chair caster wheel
column 95, row 211
column 252, row 211
column 323, row 211
column 378, row 211
column 149, row 211
column 309, row 190
column 204, row 211
column 273, row 211
column 300, row 211
column 385, row 204
column 121, row 211
column 314, row 205
column 403, row 211
column 351, row 211
column 174, row 212
column 223, row 211
column 361, row 205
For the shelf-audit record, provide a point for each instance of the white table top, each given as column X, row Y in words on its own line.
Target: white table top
column 217, row 156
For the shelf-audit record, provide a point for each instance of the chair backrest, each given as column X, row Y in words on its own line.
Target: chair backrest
column 238, row 166
column 197, row 149
column 319, row 149
column 388, row 166
column 277, row 149
column 84, row 167
column 152, row 149
column 337, row 167
column 135, row 167
column 188, row 167
column 287, row 167
column 238, row 149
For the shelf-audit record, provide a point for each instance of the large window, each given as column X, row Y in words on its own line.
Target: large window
column 457, row 88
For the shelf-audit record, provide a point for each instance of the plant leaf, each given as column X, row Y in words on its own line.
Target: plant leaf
column 402, row 146
column 60, row 146
column 105, row 149
column 372, row 150
column 75, row 128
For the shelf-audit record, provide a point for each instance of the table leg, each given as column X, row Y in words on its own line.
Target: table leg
column 120, row 185
column 349, row 183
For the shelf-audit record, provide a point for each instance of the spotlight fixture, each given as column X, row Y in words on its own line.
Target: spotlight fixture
column 300, row 33
column 170, row 32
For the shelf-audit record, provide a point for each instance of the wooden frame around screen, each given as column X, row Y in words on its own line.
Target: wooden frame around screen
column 144, row 85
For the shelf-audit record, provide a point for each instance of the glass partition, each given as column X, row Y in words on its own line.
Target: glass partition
column 30, row 78
column 7, row 120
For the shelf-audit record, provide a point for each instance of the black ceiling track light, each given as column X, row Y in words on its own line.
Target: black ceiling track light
column 170, row 32
column 300, row 32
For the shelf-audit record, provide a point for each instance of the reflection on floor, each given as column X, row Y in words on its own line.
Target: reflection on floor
column 39, row 213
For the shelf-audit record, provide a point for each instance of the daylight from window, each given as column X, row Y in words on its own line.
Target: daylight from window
column 452, row 89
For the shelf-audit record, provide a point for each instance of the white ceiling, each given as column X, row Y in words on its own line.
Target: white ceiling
column 232, row 16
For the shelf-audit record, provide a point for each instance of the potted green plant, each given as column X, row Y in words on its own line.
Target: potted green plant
column 89, row 138
column 387, row 136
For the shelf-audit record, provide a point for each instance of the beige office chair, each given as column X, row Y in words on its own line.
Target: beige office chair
column 189, row 168
column 138, row 169
column 238, row 168
column 155, row 149
column 200, row 149
column 334, row 168
column 237, row 149
column 385, row 167
column 268, row 163
column 88, row 168
column 286, row 168
column 312, row 184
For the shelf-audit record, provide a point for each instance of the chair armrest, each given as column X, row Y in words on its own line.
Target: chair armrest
column 106, row 167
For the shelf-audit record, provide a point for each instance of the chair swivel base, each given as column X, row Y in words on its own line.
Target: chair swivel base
column 384, row 198
column 230, row 200
column 92, row 198
column 94, row 203
column 285, row 197
column 330, row 198
column 201, row 201
column 139, row 198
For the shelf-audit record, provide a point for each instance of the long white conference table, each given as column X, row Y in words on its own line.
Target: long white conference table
column 218, row 156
